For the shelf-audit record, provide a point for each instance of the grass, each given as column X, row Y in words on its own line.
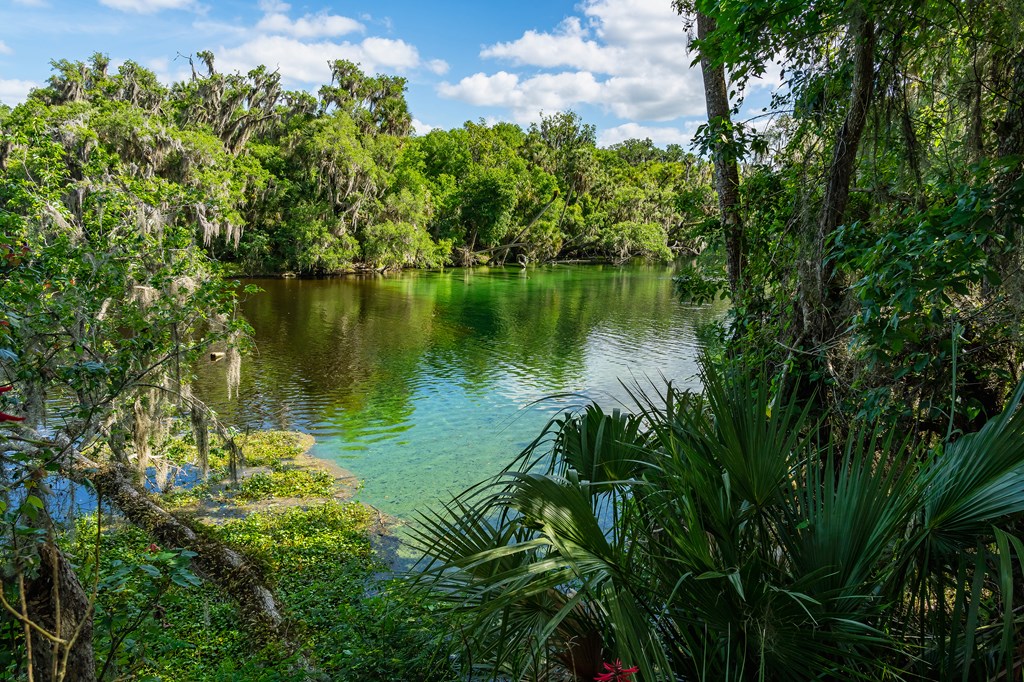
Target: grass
column 351, row 625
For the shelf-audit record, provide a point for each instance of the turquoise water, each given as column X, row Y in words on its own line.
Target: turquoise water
column 424, row 383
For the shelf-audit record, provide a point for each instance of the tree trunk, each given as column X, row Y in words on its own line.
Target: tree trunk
column 214, row 560
column 817, row 291
column 1009, row 216
column 727, row 178
column 1011, row 145
column 58, row 604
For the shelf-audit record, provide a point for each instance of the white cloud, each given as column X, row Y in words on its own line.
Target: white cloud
column 481, row 89
column 274, row 6
column 306, row 62
column 627, row 57
column 5, row 48
column 14, row 91
column 660, row 136
column 147, row 6
column 567, row 46
column 628, row 97
column 650, row 23
column 302, row 47
column 396, row 54
column 526, row 97
column 437, row 66
column 658, row 98
column 421, row 128
column 317, row 25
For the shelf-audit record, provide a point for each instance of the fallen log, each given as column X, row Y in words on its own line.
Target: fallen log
column 115, row 483
column 214, row 560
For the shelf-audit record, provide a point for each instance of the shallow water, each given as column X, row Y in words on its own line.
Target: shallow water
column 424, row 383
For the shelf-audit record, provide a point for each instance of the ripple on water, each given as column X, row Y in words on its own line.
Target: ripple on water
column 425, row 383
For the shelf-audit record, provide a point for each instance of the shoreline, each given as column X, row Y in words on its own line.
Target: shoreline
column 222, row 500
column 366, row 270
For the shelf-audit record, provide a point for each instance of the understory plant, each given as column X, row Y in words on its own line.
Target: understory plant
column 727, row 535
column 157, row 620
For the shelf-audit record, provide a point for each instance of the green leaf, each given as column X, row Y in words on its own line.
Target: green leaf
column 150, row 570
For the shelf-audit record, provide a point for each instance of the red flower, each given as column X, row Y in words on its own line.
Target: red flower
column 4, row 417
column 153, row 547
column 614, row 672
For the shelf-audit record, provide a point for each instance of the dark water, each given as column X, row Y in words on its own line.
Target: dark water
column 424, row 383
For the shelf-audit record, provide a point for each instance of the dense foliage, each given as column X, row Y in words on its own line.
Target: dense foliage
column 877, row 212
column 853, row 509
column 726, row 536
column 280, row 180
column 868, row 234
column 106, row 301
column 156, row 620
column 123, row 203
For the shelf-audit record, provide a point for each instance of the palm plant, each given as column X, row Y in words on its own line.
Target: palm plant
column 722, row 536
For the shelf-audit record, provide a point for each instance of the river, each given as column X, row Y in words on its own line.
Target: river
column 423, row 383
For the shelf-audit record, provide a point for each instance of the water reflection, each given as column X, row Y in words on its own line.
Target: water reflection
column 425, row 382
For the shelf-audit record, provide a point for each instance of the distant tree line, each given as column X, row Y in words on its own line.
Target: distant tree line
column 280, row 180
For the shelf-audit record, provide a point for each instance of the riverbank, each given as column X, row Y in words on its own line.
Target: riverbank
column 324, row 555
column 279, row 475
column 234, row 271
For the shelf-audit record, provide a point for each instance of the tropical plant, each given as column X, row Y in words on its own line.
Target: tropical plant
column 726, row 536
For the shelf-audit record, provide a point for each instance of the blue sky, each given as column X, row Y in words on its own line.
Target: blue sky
column 621, row 64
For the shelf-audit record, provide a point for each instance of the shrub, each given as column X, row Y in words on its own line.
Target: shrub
column 623, row 241
column 716, row 536
column 392, row 246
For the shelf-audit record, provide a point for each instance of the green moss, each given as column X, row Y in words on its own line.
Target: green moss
column 300, row 539
column 260, row 448
column 286, row 483
column 266, row 448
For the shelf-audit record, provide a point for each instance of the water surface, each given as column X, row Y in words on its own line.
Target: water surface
column 423, row 383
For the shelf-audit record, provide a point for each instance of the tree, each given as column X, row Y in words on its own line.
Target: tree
column 818, row 293
column 881, row 141
column 107, row 299
column 725, row 154
column 376, row 103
